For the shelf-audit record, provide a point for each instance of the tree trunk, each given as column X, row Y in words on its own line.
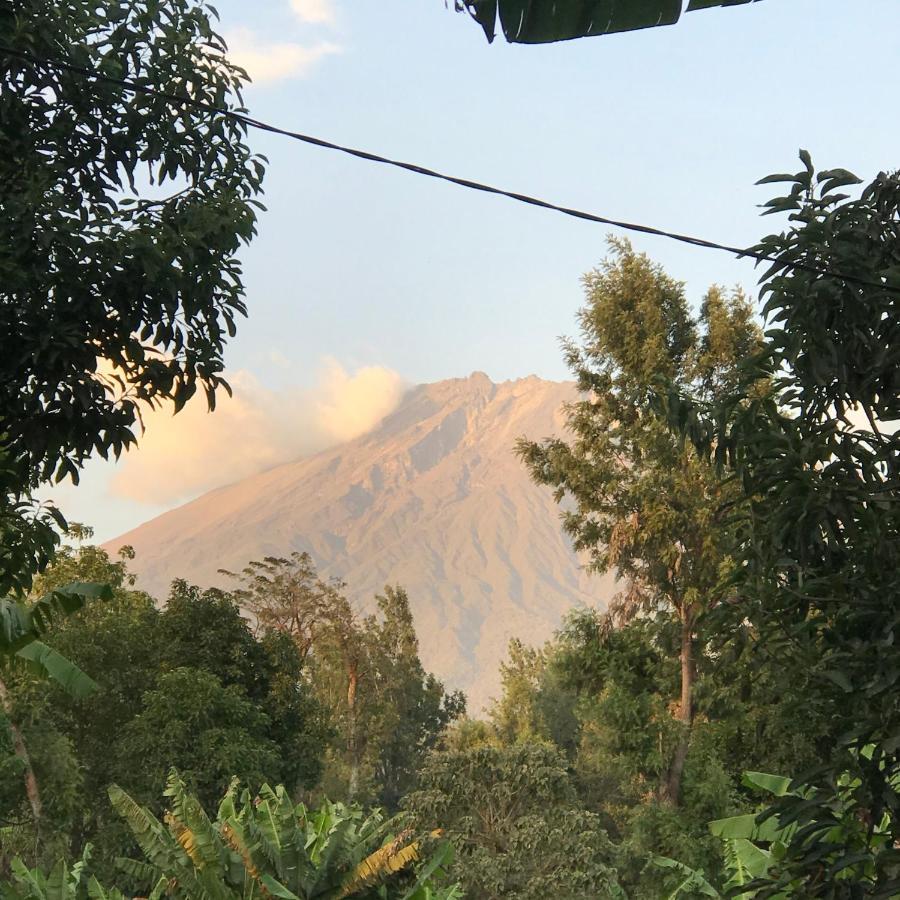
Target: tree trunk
column 352, row 742
column 672, row 788
column 19, row 748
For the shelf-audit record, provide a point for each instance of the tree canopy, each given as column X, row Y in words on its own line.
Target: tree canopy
column 120, row 220
column 639, row 502
column 816, row 452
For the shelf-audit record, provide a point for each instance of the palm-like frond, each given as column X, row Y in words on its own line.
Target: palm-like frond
column 192, row 828
column 45, row 662
column 542, row 21
column 266, row 847
column 21, row 624
column 694, row 884
column 161, row 849
column 384, row 862
column 21, row 628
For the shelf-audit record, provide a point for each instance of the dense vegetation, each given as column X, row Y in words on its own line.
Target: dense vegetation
column 728, row 726
column 747, row 619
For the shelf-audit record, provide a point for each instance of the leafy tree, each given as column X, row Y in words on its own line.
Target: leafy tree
column 286, row 594
column 601, row 694
column 121, row 215
column 385, row 709
column 21, row 652
column 540, row 21
column 807, row 433
column 413, row 708
column 534, row 705
column 515, row 822
column 210, row 731
column 206, row 628
column 642, row 503
column 139, row 653
column 40, row 779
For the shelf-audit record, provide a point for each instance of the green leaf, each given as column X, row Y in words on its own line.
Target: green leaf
column 773, row 784
column 540, row 21
column 46, row 662
column 694, row 883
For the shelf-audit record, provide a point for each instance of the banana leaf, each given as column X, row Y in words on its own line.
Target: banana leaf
column 544, row 21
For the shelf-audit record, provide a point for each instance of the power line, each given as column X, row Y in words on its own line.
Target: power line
column 431, row 173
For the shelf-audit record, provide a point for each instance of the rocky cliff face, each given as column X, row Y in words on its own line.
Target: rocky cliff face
column 433, row 499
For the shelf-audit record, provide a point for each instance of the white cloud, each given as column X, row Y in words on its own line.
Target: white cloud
column 268, row 61
column 317, row 11
column 179, row 457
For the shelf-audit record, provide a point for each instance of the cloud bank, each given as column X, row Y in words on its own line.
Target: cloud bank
column 268, row 61
column 180, row 457
column 319, row 12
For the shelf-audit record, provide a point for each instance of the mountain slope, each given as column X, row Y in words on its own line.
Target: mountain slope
column 433, row 499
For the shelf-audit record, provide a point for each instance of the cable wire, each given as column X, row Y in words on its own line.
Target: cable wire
column 259, row 125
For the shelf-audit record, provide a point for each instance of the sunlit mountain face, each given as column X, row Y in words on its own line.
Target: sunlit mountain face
column 433, row 499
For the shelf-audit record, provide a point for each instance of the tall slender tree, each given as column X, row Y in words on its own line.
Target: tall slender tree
column 638, row 501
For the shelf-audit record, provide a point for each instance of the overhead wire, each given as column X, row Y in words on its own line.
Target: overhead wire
column 416, row 169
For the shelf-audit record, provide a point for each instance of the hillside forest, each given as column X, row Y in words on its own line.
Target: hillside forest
column 728, row 724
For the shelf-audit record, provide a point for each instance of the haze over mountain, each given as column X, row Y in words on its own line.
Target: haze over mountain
column 433, row 498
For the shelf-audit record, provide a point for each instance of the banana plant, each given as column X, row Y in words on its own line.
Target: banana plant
column 22, row 626
column 753, row 847
column 63, row 883
column 745, row 860
column 543, row 21
column 267, row 846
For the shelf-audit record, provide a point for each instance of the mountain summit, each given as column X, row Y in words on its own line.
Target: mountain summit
column 433, row 498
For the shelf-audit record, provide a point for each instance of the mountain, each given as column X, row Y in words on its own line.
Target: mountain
column 433, row 498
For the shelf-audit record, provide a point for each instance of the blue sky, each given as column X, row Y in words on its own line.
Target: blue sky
column 363, row 277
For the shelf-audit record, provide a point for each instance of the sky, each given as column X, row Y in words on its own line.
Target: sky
column 364, row 280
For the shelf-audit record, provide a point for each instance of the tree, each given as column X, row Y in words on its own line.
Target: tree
column 148, row 712
column 413, row 709
column 121, row 215
column 20, row 649
column 211, row 732
column 514, row 820
column 810, row 432
column 534, row 705
column 643, row 504
column 286, row 594
column 385, row 709
column 540, row 21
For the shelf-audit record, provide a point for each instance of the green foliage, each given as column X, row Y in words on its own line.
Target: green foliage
column 806, row 436
column 514, row 819
column 21, row 626
column 534, row 705
column 121, row 221
column 640, row 502
column 62, row 883
column 610, row 686
column 386, row 711
column 755, row 846
column 242, row 707
column 28, row 529
column 540, row 21
column 267, row 845
column 263, row 846
column 211, row 732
